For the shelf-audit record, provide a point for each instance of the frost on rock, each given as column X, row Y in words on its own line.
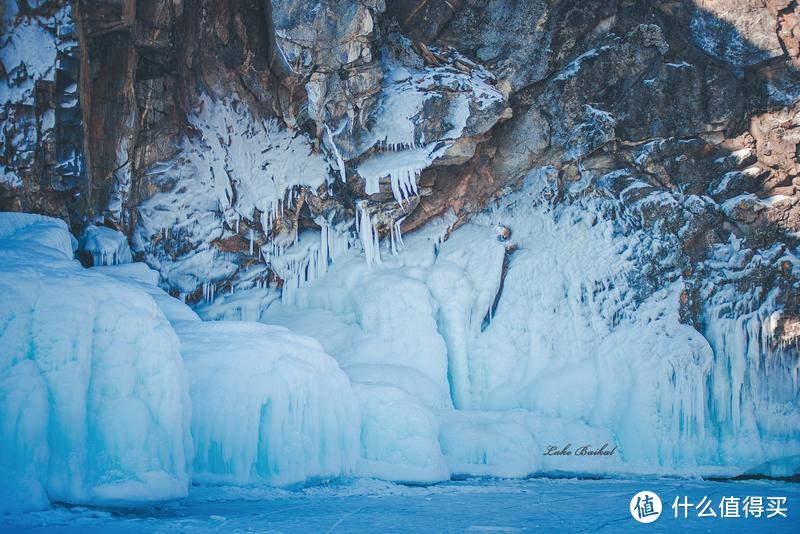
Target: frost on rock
column 28, row 53
column 268, row 406
column 94, row 405
column 40, row 113
column 236, row 168
column 105, row 246
column 464, row 104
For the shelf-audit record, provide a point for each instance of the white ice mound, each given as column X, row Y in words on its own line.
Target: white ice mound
column 145, row 278
column 399, row 437
column 94, row 405
column 44, row 233
column 519, row 443
column 269, row 406
column 105, row 246
column 488, row 444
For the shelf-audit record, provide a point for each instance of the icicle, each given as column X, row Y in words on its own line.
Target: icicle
column 251, row 241
column 370, row 240
column 397, row 235
column 324, row 249
column 397, row 224
column 208, row 291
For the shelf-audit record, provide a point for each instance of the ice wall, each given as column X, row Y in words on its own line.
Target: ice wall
column 101, row 371
column 269, row 406
column 94, row 403
column 580, row 333
column 753, row 387
column 563, row 322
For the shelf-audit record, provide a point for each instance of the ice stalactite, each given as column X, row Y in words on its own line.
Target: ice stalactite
column 209, row 288
column 753, row 382
column 236, row 164
column 403, row 169
column 309, row 258
column 396, row 236
column 370, row 239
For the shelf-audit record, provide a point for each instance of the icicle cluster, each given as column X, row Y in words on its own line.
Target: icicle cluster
column 308, row 259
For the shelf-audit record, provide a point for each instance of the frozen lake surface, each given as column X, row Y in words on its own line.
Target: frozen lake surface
column 471, row 505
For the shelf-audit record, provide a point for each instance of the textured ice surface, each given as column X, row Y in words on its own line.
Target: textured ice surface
column 268, row 406
column 399, row 437
column 31, row 232
column 548, row 505
column 94, row 403
column 146, row 279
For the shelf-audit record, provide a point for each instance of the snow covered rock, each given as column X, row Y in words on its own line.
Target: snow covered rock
column 268, row 406
column 42, row 163
column 217, row 184
column 94, row 405
column 105, row 246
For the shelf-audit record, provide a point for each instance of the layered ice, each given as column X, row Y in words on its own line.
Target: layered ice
column 94, row 403
column 269, row 406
